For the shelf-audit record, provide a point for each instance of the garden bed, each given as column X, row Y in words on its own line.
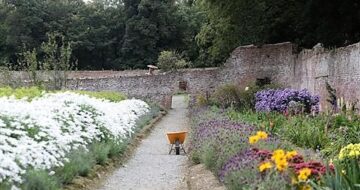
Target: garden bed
column 275, row 147
column 49, row 138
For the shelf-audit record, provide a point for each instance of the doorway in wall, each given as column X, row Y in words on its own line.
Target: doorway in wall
column 182, row 86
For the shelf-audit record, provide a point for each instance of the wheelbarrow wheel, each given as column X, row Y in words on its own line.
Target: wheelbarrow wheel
column 177, row 147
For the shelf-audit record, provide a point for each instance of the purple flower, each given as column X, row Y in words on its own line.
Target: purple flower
column 278, row 100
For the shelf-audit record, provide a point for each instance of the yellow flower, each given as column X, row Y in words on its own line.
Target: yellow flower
column 291, row 154
column 351, row 151
column 253, row 139
column 278, row 154
column 305, row 187
column 304, row 174
column 262, row 135
column 264, row 166
column 294, row 180
column 281, row 165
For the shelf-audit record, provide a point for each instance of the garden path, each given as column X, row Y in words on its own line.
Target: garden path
column 151, row 167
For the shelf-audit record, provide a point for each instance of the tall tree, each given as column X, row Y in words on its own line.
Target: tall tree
column 232, row 23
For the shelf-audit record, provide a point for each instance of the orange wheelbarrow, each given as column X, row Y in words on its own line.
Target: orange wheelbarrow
column 176, row 140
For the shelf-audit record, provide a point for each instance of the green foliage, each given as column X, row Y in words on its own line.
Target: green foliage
column 201, row 100
column 28, row 61
column 245, row 180
column 108, row 95
column 240, row 180
column 332, row 96
column 39, row 180
column 345, row 177
column 271, row 181
column 231, row 95
column 56, row 54
column 23, row 92
column 57, row 60
column 242, row 22
column 170, row 60
column 80, row 163
column 152, row 26
column 100, row 151
column 105, row 34
column 227, row 96
column 208, row 156
column 247, row 95
column 306, row 132
column 116, row 148
column 322, row 132
column 5, row 186
column 33, row 92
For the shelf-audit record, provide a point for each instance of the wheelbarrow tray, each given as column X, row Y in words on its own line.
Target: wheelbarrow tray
column 178, row 135
column 176, row 139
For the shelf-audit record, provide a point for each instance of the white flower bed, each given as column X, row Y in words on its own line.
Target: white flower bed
column 40, row 133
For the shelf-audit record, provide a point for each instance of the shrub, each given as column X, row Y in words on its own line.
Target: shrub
column 247, row 95
column 201, row 100
column 56, row 61
column 209, row 157
column 116, row 148
column 80, row 163
column 39, row 180
column 170, row 60
column 5, row 186
column 274, row 181
column 241, row 179
column 146, row 118
column 227, row 96
column 100, row 151
column 278, row 100
column 349, row 152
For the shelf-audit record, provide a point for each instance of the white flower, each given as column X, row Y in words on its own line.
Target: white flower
column 41, row 132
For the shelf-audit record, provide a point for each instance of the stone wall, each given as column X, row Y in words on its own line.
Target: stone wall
column 340, row 67
column 158, row 88
column 310, row 68
column 248, row 63
column 279, row 62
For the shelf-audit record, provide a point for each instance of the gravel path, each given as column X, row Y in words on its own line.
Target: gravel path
column 151, row 168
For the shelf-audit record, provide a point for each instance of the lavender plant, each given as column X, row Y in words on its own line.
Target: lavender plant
column 279, row 100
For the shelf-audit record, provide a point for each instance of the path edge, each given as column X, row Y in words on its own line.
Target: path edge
column 99, row 173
